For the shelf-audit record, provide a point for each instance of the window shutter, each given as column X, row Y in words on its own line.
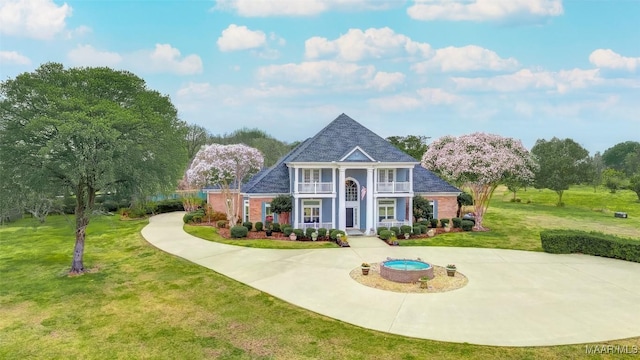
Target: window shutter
column 264, row 212
column 435, row 209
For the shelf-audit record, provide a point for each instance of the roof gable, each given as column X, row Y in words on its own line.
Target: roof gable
column 342, row 135
column 358, row 155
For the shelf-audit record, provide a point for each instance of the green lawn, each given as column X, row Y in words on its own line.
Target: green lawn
column 139, row 302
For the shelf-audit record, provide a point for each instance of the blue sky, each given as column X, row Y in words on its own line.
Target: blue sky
column 527, row 69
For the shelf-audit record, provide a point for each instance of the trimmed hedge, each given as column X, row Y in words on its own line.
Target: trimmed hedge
column 457, row 223
column 433, row 223
column 322, row 232
column 275, row 227
column 221, row 224
column 239, row 231
column 417, row 230
column 590, row 243
column 334, row 234
column 395, row 230
column 287, row 230
column 308, row 232
column 405, row 229
column 299, row 233
column 381, row 228
column 248, row 225
column 467, row 225
column 444, row 222
column 259, row 226
column 385, row 234
column 424, row 229
column 169, row 205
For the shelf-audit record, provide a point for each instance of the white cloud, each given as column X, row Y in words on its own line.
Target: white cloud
column 13, row 58
column 561, row 81
column 483, row 10
column 38, row 19
column 236, row 37
column 422, row 98
column 318, row 73
column 264, row 8
column 608, row 59
column 166, row 58
column 79, row 32
column 356, row 45
column 87, row 55
column 386, row 81
column 466, row 58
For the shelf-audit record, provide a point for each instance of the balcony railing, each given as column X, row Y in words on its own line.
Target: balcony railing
column 315, row 188
column 392, row 222
column 393, row 187
column 318, row 225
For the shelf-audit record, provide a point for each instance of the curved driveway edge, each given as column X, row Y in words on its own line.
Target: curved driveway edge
column 514, row 298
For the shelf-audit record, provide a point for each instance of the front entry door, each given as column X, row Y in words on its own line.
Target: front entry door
column 349, row 217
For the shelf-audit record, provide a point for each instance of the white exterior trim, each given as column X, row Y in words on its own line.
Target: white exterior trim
column 357, row 148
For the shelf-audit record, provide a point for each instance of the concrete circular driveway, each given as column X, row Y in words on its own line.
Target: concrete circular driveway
column 514, row 298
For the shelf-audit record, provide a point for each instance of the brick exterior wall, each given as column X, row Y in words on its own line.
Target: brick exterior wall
column 255, row 208
column 217, row 202
column 447, row 205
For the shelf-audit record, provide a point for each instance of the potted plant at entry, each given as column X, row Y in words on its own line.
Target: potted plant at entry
column 314, row 236
column 293, row 236
column 431, row 232
column 268, row 229
column 451, row 270
column 365, row 268
column 424, row 282
column 406, row 236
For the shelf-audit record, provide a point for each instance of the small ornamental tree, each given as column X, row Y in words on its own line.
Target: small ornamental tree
column 225, row 166
column 479, row 162
column 282, row 204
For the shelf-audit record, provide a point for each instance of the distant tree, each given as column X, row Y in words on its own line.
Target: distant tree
column 614, row 157
column 89, row 130
column 596, row 167
column 196, row 137
column 634, row 184
column 225, row 166
column 479, row 162
column 414, row 145
column 613, row 180
column 422, row 208
column 562, row 163
column 631, row 163
column 271, row 148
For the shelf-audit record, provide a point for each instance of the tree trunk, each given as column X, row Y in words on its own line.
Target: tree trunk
column 559, row 192
column 83, row 211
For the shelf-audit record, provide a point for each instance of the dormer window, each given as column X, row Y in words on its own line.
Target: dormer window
column 310, row 175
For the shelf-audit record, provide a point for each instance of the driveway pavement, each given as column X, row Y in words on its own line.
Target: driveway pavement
column 514, row 298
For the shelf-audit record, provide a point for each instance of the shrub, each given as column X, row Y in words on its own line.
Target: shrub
column 213, row 215
column 221, row 224
column 275, row 227
column 433, row 223
column 187, row 218
column 259, row 226
column 334, row 234
column 590, row 243
column 405, row 229
column 322, row 232
column 457, row 223
column 395, row 230
column 444, row 222
column 299, row 233
column 381, row 228
column 197, row 218
column 424, row 222
column 169, row 205
column 417, row 230
column 467, row 225
column 287, row 230
column 424, row 229
column 239, row 232
column 109, row 205
column 248, row 225
column 385, row 234
column 308, row 232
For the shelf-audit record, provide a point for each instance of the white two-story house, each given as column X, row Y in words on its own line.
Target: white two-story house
column 345, row 177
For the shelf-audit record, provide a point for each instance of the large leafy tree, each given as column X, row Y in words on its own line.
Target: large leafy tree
column 87, row 130
column 623, row 156
column 562, row 163
column 479, row 162
column 196, row 137
column 414, row 145
column 271, row 148
column 227, row 167
column 422, row 208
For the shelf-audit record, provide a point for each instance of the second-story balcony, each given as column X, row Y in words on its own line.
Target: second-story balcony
column 315, row 188
column 393, row 187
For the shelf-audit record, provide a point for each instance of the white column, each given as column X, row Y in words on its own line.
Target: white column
column 296, row 211
column 333, row 179
column 369, row 195
column 410, row 210
column 342, row 215
column 333, row 211
column 295, row 180
column 411, row 180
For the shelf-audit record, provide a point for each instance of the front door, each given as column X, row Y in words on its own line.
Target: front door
column 349, row 217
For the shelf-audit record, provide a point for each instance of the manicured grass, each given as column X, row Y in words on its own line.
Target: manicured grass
column 518, row 225
column 211, row 234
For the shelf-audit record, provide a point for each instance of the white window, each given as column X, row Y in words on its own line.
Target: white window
column 268, row 214
column 246, row 211
column 386, row 209
column 310, row 175
column 351, row 191
column 386, row 175
column 311, row 211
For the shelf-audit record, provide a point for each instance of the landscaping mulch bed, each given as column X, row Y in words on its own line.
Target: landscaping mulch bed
column 440, row 283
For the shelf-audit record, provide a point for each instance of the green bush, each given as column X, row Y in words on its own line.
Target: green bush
column 169, row 205
column 424, row 229
column 381, row 228
column 467, row 225
column 239, row 232
column 109, row 205
column 221, row 224
column 417, row 230
column 299, row 233
column 424, row 222
column 197, row 218
column 259, row 226
column 405, row 229
column 275, row 227
column 395, row 230
column 385, row 234
column 187, row 218
column 308, row 232
column 590, row 243
column 287, row 230
column 457, row 223
column 334, row 234
column 433, row 223
column 322, row 232
column 444, row 222
column 248, row 225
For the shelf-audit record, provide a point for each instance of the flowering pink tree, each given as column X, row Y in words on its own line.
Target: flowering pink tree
column 480, row 162
column 226, row 166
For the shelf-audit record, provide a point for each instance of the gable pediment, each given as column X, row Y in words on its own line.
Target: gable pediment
column 357, row 155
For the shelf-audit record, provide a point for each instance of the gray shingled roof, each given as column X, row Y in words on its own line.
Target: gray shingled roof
column 331, row 144
column 340, row 137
